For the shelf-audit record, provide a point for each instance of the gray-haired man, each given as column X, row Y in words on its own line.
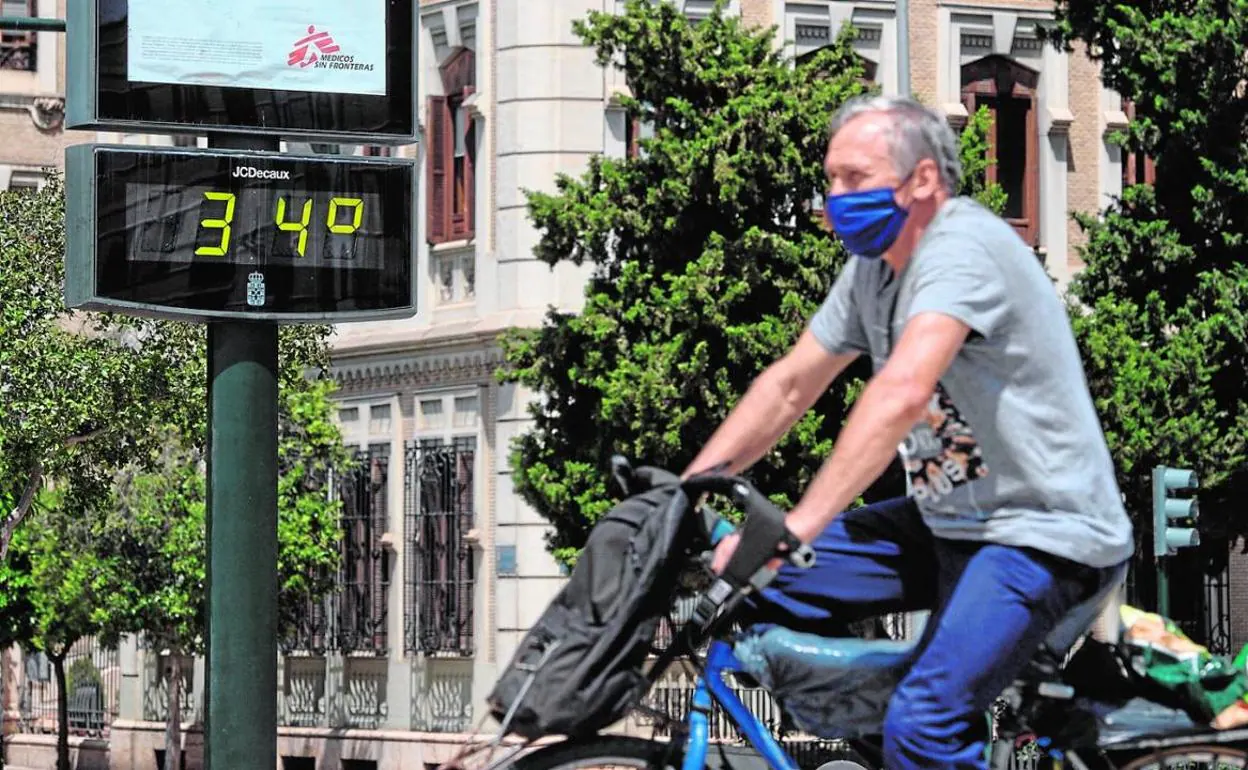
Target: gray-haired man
column 1015, row 515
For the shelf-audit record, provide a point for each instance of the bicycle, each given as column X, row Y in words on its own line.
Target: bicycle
column 1054, row 703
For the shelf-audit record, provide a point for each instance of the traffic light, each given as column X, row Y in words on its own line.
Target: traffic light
column 1166, row 509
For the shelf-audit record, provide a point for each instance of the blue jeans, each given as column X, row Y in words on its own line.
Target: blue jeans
column 992, row 606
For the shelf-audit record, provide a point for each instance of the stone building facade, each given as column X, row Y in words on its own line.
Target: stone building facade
column 446, row 566
column 32, row 98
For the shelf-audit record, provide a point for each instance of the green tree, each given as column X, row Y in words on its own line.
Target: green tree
column 1162, row 306
column 78, row 394
column 158, row 524
column 708, row 260
column 65, row 577
column 110, row 411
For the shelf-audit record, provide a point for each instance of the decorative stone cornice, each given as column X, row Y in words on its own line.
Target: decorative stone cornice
column 419, row 368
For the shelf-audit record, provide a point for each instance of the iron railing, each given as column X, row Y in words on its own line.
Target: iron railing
column 353, row 617
column 158, row 675
column 672, row 695
column 438, row 514
column 1217, row 630
column 93, row 679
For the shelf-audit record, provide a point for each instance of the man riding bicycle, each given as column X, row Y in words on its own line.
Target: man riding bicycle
column 1014, row 515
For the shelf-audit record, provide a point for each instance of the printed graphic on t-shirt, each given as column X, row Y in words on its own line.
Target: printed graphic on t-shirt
column 941, row 453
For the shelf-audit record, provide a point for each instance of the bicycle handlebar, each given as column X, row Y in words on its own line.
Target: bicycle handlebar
column 759, row 510
column 764, row 537
column 764, row 529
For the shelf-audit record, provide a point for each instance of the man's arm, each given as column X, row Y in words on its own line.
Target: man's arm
column 887, row 410
column 774, row 402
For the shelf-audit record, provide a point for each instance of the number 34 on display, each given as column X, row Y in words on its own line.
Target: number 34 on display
column 224, row 223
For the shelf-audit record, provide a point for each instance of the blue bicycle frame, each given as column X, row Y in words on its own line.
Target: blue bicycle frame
column 712, row 687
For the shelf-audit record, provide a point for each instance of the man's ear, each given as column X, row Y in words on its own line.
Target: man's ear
column 927, row 179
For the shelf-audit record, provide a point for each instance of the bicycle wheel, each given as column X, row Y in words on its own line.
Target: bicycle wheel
column 641, row 754
column 602, row 752
column 1207, row 757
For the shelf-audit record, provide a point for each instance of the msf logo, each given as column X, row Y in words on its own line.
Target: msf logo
column 305, row 50
column 251, row 172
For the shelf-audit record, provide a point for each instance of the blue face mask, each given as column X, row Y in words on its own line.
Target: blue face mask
column 867, row 221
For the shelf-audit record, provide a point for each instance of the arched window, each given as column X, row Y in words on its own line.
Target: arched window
column 452, row 152
column 1008, row 90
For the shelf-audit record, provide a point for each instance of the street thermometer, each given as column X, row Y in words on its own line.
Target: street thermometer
column 211, row 234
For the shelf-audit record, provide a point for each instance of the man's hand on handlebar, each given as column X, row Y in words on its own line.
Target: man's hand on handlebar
column 727, row 546
column 725, row 549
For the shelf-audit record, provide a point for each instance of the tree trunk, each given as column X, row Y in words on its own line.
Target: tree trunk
column 173, row 721
column 14, row 517
column 62, row 710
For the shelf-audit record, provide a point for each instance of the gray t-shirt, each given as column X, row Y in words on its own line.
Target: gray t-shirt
column 1021, row 459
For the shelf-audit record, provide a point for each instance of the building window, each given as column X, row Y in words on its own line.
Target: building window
column 1008, row 90
column 439, row 511
column 466, row 413
column 379, row 420
column 457, row 278
column 635, row 129
column 364, row 574
column 632, row 132
column 452, row 152
column 431, row 415
column 26, row 182
column 353, row 616
column 870, row 70
column 18, row 49
column 350, row 414
column 505, row 558
column 1137, row 168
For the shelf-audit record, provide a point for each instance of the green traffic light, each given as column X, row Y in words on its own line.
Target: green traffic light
column 1182, row 509
column 1182, row 537
column 1177, row 478
column 1167, row 509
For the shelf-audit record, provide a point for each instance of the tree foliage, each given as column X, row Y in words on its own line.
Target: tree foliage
column 160, row 515
column 102, row 436
column 1162, row 319
column 158, row 519
column 707, row 260
column 60, row 585
column 78, row 394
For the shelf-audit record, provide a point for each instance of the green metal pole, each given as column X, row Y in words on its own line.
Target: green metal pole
column 241, row 681
column 31, row 24
column 1163, row 588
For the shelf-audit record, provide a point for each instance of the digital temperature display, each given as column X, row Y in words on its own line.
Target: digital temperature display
column 255, row 225
column 224, row 233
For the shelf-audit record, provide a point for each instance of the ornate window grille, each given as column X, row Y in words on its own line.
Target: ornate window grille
column 440, row 573
column 353, row 617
